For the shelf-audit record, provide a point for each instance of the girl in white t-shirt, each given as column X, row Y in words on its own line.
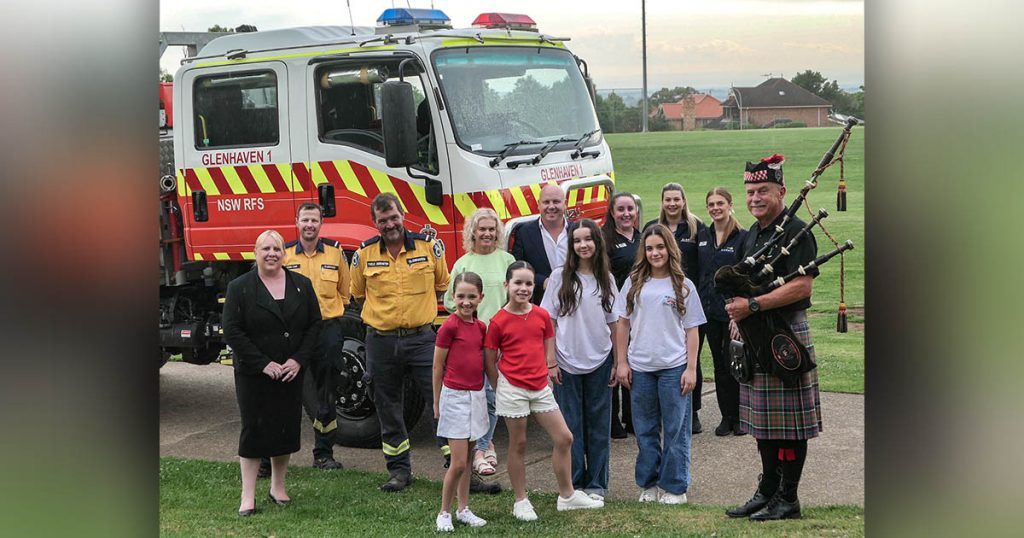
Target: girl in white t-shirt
column 659, row 312
column 580, row 296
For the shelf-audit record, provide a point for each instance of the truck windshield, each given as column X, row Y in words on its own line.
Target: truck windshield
column 498, row 96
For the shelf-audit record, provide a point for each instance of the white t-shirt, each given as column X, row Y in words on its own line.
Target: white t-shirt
column 657, row 331
column 555, row 249
column 583, row 340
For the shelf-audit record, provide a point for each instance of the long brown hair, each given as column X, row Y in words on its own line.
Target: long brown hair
column 608, row 228
column 641, row 272
column 733, row 224
column 688, row 216
column 571, row 292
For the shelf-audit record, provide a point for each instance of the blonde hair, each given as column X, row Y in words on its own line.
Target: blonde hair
column 269, row 233
column 688, row 216
column 469, row 228
column 733, row 224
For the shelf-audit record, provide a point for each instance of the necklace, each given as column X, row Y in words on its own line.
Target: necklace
column 517, row 314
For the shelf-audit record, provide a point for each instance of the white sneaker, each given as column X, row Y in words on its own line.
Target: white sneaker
column 578, row 501
column 596, row 497
column 649, row 495
column 444, row 522
column 671, row 498
column 469, row 518
column 523, row 510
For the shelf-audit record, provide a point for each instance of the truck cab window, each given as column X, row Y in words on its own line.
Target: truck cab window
column 236, row 109
column 349, row 101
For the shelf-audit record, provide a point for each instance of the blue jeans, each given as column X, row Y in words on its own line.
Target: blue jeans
column 586, row 404
column 658, row 404
column 484, row 442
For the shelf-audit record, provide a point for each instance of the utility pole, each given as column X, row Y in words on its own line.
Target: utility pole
column 643, row 112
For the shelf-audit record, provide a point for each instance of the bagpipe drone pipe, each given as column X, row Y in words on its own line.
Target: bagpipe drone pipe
column 768, row 339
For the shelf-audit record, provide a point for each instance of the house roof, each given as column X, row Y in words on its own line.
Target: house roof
column 775, row 92
column 704, row 106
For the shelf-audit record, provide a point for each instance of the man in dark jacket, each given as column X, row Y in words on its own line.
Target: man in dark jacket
column 543, row 242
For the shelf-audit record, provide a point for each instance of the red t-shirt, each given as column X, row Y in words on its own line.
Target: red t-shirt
column 464, row 341
column 521, row 342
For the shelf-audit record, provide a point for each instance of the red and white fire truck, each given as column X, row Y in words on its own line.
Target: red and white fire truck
column 450, row 120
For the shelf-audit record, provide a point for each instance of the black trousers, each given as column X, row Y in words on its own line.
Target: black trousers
column 392, row 359
column 727, row 390
column 318, row 390
column 695, row 398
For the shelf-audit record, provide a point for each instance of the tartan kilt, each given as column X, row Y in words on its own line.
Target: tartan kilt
column 770, row 410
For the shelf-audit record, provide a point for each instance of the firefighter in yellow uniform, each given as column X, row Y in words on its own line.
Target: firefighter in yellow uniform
column 398, row 275
column 323, row 262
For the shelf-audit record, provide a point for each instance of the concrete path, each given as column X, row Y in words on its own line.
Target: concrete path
column 199, row 419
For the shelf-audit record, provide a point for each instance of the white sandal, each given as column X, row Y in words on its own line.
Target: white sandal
column 482, row 467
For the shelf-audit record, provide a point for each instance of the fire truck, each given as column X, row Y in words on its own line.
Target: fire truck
column 449, row 120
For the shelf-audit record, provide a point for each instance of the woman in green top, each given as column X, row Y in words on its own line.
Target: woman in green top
column 484, row 242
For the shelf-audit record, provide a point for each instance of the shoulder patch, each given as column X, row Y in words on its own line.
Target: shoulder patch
column 438, row 248
column 370, row 241
column 331, row 242
column 291, row 244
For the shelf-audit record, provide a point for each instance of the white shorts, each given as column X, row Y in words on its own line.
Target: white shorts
column 515, row 402
column 463, row 414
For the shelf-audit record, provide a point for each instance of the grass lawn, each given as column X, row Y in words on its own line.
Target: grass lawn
column 200, row 498
column 704, row 159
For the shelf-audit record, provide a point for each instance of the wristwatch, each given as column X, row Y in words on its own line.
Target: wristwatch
column 753, row 304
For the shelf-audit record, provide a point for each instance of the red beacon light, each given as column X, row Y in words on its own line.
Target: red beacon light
column 512, row 21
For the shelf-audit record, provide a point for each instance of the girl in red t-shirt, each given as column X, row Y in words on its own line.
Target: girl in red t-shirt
column 524, row 335
column 460, row 404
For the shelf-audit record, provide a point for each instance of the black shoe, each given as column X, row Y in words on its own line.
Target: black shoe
column 264, row 471
column 447, row 461
column 696, row 426
column 479, row 485
column 778, row 508
column 736, row 429
column 618, row 432
column 247, row 513
column 628, row 427
column 757, row 502
column 397, row 482
column 277, row 501
column 724, row 428
column 327, row 463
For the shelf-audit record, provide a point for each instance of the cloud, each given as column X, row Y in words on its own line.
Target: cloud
column 824, row 48
column 707, row 49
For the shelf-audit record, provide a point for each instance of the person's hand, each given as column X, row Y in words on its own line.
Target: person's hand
column 273, row 370
column 688, row 381
column 555, row 375
column 624, row 375
column 738, row 309
column 734, row 331
column 612, row 380
column 290, row 370
column 437, row 411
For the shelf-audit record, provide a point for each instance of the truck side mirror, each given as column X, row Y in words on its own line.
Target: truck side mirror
column 326, row 195
column 398, row 119
column 432, row 191
column 199, row 210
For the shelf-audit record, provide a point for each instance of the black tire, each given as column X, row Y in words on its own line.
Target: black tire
column 358, row 426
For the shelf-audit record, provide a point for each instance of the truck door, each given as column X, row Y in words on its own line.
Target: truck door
column 346, row 147
column 236, row 151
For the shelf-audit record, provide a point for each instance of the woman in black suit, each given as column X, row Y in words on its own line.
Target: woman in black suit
column 271, row 322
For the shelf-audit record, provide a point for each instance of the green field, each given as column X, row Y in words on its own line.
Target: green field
column 200, row 498
column 704, row 159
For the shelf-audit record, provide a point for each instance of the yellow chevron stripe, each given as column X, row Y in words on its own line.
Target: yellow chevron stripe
column 288, row 177
column 317, row 173
column 221, row 256
column 233, row 180
column 349, row 177
column 446, row 450
column 587, row 194
column 394, row 450
column 535, row 188
column 464, row 204
column 520, row 199
column 248, row 255
column 433, row 212
column 602, row 193
column 498, row 202
column 207, row 182
column 573, row 197
column 262, row 181
column 180, row 177
column 384, row 185
column 198, row 257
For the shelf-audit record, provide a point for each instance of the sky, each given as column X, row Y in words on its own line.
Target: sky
column 704, row 44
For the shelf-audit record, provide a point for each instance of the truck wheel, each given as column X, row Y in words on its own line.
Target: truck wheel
column 358, row 426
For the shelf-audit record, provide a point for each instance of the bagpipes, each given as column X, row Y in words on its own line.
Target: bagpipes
column 768, row 339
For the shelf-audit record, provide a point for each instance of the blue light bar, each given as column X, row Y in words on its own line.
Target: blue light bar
column 406, row 16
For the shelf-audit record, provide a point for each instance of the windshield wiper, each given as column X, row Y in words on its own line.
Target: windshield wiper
column 579, row 146
column 508, row 149
column 548, row 146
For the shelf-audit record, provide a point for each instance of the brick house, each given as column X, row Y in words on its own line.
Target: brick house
column 695, row 111
column 773, row 100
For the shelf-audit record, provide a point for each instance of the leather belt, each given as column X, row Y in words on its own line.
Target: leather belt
column 401, row 331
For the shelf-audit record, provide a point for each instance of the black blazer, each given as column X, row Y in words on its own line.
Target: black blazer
column 259, row 332
column 528, row 245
